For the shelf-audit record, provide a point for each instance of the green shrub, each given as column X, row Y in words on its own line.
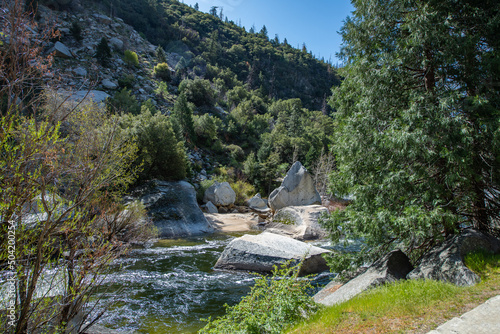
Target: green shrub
column 272, row 305
column 198, row 91
column 243, row 190
column 162, row 89
column 162, row 71
column 131, row 58
column 159, row 152
column 123, row 101
column 126, row 81
column 236, row 153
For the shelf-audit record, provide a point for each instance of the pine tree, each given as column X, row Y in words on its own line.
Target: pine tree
column 182, row 119
column 418, row 113
column 103, row 52
column 160, row 55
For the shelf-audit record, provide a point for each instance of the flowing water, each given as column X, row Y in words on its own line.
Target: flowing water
column 167, row 288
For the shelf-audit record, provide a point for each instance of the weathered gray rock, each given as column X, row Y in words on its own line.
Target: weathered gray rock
column 97, row 96
column 257, row 203
column 220, row 194
column 62, row 51
column 261, row 252
column 173, row 208
column 394, row 266
column 80, row 71
column 103, row 19
column 484, row 319
column 211, row 208
column 109, row 84
column 296, row 189
column 116, row 43
column 299, row 222
column 445, row 262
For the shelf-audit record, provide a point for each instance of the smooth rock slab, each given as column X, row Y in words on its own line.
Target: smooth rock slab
column 484, row 319
column 173, row 208
column 299, row 222
column 392, row 267
column 445, row 262
column 220, row 194
column 260, row 253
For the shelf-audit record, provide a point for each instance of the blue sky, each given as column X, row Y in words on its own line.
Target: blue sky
column 315, row 23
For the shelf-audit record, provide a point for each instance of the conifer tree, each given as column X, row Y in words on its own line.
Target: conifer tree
column 160, row 55
column 182, row 119
column 103, row 52
column 418, row 140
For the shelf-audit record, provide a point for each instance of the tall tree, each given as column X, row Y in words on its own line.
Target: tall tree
column 418, row 138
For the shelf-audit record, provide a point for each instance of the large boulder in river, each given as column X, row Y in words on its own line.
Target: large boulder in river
column 296, row 189
column 261, row 252
column 394, row 266
column 445, row 262
column 220, row 194
column 173, row 208
column 299, row 222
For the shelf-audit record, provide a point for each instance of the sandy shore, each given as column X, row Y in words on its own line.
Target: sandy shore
column 233, row 222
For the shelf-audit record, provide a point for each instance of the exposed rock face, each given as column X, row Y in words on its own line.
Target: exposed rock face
column 257, row 203
column 116, row 43
column 211, row 208
column 103, row 19
column 394, row 266
column 299, row 222
column 173, row 208
column 445, row 262
column 62, row 50
column 296, row 189
column 261, row 252
column 80, row 71
column 220, row 194
column 109, row 84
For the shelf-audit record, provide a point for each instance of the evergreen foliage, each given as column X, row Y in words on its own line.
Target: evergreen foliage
column 417, row 145
column 161, row 55
column 160, row 154
column 103, row 52
column 182, row 119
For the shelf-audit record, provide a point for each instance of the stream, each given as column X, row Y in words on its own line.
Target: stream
column 169, row 287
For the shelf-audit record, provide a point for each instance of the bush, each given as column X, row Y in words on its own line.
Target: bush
column 198, row 91
column 272, row 305
column 126, row 81
column 161, row 155
column 123, row 101
column 243, row 190
column 205, row 127
column 131, row 58
column 162, row 72
column 160, row 55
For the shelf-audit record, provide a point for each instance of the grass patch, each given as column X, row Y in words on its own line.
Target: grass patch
column 414, row 306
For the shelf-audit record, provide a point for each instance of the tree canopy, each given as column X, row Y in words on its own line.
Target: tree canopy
column 418, row 115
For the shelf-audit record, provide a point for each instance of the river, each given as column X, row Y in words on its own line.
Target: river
column 169, row 287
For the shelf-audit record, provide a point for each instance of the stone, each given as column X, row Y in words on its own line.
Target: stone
column 257, row 203
column 484, row 319
column 80, row 71
column 445, row 262
column 299, row 222
column 211, row 208
column 97, row 96
column 173, row 209
column 62, row 51
column 108, row 84
column 296, row 189
column 392, row 267
column 103, row 19
column 220, row 194
column 261, row 252
column 116, row 43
